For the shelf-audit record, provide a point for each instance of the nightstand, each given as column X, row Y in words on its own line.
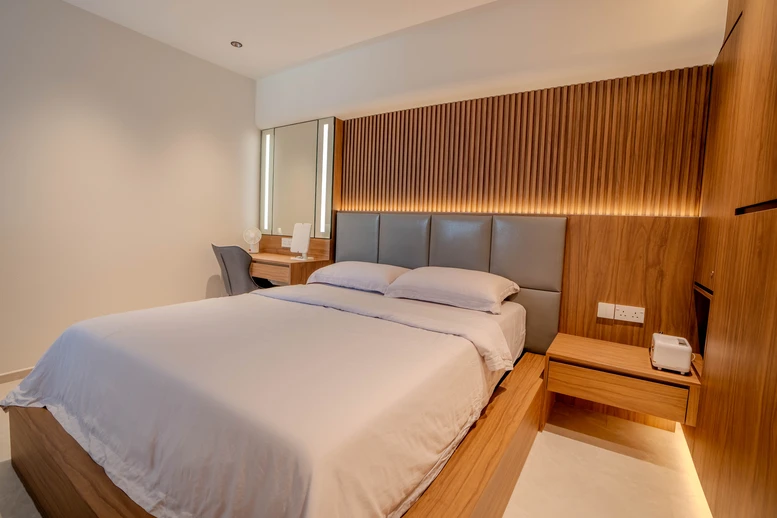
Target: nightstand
column 284, row 268
column 621, row 376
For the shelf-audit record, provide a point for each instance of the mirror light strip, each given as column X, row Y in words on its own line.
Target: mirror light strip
column 266, row 181
column 323, row 178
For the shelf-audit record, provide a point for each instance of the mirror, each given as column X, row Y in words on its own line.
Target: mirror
column 296, row 178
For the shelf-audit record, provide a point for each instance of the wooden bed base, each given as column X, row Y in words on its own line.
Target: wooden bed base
column 477, row 481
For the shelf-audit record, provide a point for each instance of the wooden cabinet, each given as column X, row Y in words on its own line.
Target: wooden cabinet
column 722, row 141
column 735, row 444
column 756, row 170
column 735, row 8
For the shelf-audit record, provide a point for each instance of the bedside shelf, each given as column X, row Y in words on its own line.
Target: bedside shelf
column 621, row 376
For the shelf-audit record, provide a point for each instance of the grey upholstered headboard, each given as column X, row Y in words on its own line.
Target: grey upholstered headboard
column 527, row 249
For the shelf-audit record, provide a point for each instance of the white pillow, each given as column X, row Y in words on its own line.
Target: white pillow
column 358, row 275
column 469, row 289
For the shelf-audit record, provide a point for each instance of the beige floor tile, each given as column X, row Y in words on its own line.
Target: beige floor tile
column 590, row 465
column 14, row 500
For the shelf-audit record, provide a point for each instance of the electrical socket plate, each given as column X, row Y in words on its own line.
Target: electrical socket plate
column 630, row 314
column 605, row 310
column 285, row 242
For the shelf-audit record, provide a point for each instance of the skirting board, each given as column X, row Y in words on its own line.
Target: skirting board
column 7, row 377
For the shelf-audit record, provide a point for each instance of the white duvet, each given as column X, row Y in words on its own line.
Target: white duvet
column 303, row 401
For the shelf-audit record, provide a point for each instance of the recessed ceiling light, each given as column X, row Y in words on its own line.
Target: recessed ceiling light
column 236, row 44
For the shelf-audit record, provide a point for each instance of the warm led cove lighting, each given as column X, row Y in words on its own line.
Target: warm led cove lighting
column 323, row 177
column 266, row 181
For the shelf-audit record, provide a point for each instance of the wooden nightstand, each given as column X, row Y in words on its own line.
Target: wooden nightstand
column 621, row 376
column 282, row 268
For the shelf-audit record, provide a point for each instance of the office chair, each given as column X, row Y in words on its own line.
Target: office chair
column 235, row 264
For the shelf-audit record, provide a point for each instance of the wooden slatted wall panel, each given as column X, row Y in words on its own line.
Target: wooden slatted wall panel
column 630, row 146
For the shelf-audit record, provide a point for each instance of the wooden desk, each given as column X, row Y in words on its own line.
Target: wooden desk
column 621, row 376
column 284, row 268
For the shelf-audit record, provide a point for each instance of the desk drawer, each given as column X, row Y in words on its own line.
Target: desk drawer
column 634, row 394
column 273, row 272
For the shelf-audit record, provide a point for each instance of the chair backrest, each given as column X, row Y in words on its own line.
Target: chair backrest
column 235, row 264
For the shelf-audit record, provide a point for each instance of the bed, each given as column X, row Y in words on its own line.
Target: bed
column 301, row 401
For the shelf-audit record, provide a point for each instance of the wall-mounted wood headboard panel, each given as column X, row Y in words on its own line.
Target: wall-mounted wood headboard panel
column 623, row 147
column 630, row 146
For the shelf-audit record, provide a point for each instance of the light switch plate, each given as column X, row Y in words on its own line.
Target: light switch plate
column 606, row 310
column 285, row 242
column 630, row 314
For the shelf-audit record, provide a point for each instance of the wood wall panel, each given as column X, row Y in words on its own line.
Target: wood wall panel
column 590, row 267
column 655, row 270
column 735, row 444
column 636, row 261
column 736, row 440
column 630, row 146
column 626, row 147
column 757, row 104
column 735, row 8
column 723, row 138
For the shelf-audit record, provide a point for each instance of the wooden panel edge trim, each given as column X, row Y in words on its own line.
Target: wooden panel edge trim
column 692, row 410
column 8, row 377
column 703, row 290
column 731, row 31
column 496, row 496
column 756, row 207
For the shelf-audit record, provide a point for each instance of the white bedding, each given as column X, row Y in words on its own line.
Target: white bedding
column 512, row 321
column 254, row 406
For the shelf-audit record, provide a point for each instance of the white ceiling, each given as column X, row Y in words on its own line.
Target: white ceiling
column 276, row 34
column 501, row 47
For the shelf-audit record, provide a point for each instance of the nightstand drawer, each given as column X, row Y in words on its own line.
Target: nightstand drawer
column 634, row 394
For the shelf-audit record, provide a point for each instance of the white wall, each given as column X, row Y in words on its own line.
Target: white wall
column 121, row 160
column 506, row 46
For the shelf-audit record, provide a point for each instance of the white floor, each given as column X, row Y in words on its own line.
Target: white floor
column 583, row 465
column 14, row 501
column 587, row 464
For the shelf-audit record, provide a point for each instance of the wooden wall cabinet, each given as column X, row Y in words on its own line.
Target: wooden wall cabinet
column 735, row 441
column 757, row 104
column 722, row 138
column 735, row 8
column 735, row 444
